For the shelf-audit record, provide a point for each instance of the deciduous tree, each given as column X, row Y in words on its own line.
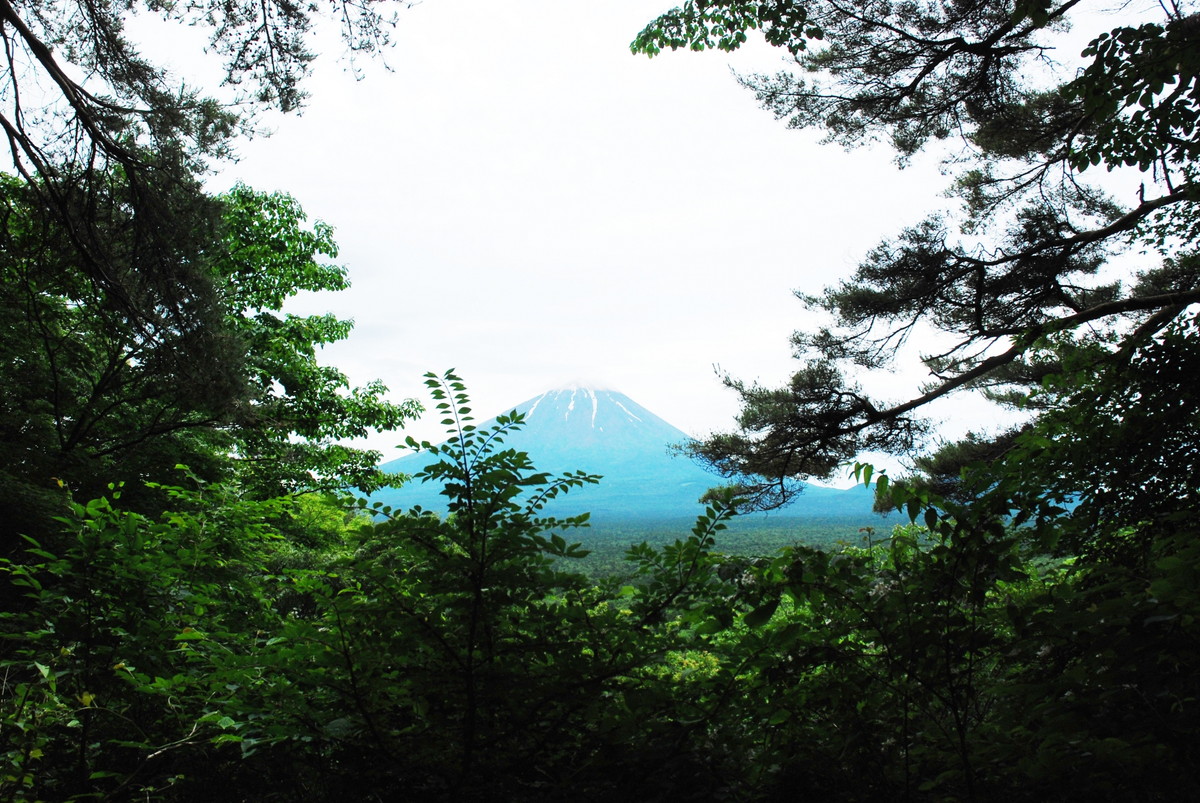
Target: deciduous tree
column 90, row 397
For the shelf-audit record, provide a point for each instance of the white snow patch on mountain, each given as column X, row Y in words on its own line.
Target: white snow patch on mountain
column 626, row 409
column 535, row 405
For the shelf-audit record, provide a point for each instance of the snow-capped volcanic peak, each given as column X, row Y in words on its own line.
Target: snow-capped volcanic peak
column 585, row 428
column 586, row 406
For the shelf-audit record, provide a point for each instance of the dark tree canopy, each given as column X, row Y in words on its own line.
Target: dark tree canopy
column 142, row 316
column 1028, row 253
column 79, row 105
column 90, row 397
column 1033, row 634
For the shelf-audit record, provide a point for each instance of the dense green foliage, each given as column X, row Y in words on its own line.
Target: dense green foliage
column 228, row 631
column 92, row 396
column 403, row 655
column 451, row 658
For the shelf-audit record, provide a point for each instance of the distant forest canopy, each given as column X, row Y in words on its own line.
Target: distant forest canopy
column 747, row 536
column 190, row 611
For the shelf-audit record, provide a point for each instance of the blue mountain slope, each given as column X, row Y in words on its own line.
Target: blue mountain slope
column 604, row 432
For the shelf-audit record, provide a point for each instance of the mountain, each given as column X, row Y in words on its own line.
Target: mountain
column 601, row 431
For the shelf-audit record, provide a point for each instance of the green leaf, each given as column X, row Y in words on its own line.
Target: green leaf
column 762, row 614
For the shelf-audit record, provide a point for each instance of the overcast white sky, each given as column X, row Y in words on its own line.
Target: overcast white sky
column 522, row 199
